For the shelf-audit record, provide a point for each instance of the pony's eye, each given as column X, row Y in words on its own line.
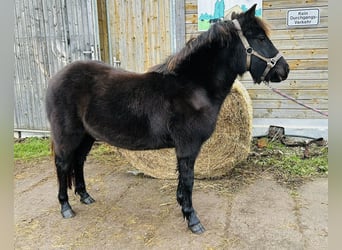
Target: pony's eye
column 261, row 38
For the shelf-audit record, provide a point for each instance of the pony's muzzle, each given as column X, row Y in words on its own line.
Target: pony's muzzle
column 280, row 71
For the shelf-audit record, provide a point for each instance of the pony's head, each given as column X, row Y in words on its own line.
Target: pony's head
column 261, row 57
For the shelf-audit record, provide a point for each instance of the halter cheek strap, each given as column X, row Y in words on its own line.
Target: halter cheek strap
column 271, row 62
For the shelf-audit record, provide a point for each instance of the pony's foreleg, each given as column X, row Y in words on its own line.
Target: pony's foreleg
column 79, row 159
column 184, row 192
column 63, row 167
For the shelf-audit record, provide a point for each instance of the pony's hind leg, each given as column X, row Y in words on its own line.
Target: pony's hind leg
column 79, row 158
column 70, row 152
column 64, row 173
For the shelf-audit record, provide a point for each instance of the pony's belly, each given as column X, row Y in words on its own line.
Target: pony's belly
column 132, row 139
column 136, row 143
column 127, row 129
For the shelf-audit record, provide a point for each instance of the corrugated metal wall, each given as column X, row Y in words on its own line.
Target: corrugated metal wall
column 48, row 35
column 140, row 32
column 306, row 50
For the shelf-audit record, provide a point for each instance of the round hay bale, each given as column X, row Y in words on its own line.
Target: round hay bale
column 228, row 145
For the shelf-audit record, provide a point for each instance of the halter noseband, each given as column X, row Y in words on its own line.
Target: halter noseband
column 271, row 62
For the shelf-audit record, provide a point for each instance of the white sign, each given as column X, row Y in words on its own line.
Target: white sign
column 302, row 17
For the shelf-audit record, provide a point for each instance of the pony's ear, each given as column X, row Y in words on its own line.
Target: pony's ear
column 251, row 12
column 233, row 15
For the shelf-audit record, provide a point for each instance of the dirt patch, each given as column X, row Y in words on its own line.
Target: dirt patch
column 138, row 212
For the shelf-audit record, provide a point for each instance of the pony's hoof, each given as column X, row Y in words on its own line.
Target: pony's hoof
column 87, row 200
column 68, row 213
column 197, row 229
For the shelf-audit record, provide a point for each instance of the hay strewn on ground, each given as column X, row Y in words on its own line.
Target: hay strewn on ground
column 228, row 146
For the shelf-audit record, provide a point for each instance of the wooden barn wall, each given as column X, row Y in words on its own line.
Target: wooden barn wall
column 139, row 32
column 306, row 50
column 103, row 31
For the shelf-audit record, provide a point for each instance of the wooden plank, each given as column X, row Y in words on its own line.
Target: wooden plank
column 164, row 27
column 300, row 44
column 299, row 33
column 284, row 4
column 298, row 94
column 194, row 2
column 291, row 84
column 190, row 7
column 103, row 30
column 149, row 31
column 191, row 18
column 297, row 75
column 309, row 53
column 192, row 28
column 153, row 29
column 288, row 104
column 138, row 36
column 281, row 34
column 146, row 20
column 288, row 113
column 308, row 64
column 115, row 29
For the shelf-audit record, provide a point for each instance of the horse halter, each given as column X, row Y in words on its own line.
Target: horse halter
column 271, row 62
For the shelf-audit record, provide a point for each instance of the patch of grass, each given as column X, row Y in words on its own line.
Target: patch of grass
column 289, row 163
column 31, row 148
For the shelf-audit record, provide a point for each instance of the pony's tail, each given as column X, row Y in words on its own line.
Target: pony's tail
column 71, row 172
column 52, row 149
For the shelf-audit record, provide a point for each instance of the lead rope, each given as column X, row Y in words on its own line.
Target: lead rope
column 294, row 100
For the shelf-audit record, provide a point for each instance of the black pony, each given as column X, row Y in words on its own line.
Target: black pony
column 173, row 105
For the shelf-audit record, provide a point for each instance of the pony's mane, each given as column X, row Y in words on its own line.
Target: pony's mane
column 264, row 25
column 217, row 36
column 259, row 22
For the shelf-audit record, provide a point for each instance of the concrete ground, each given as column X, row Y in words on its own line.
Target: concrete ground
column 134, row 212
column 268, row 216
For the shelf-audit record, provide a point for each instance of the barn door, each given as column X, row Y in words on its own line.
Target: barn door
column 49, row 34
column 82, row 30
column 140, row 33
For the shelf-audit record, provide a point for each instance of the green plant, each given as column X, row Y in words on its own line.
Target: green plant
column 289, row 162
column 31, row 148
